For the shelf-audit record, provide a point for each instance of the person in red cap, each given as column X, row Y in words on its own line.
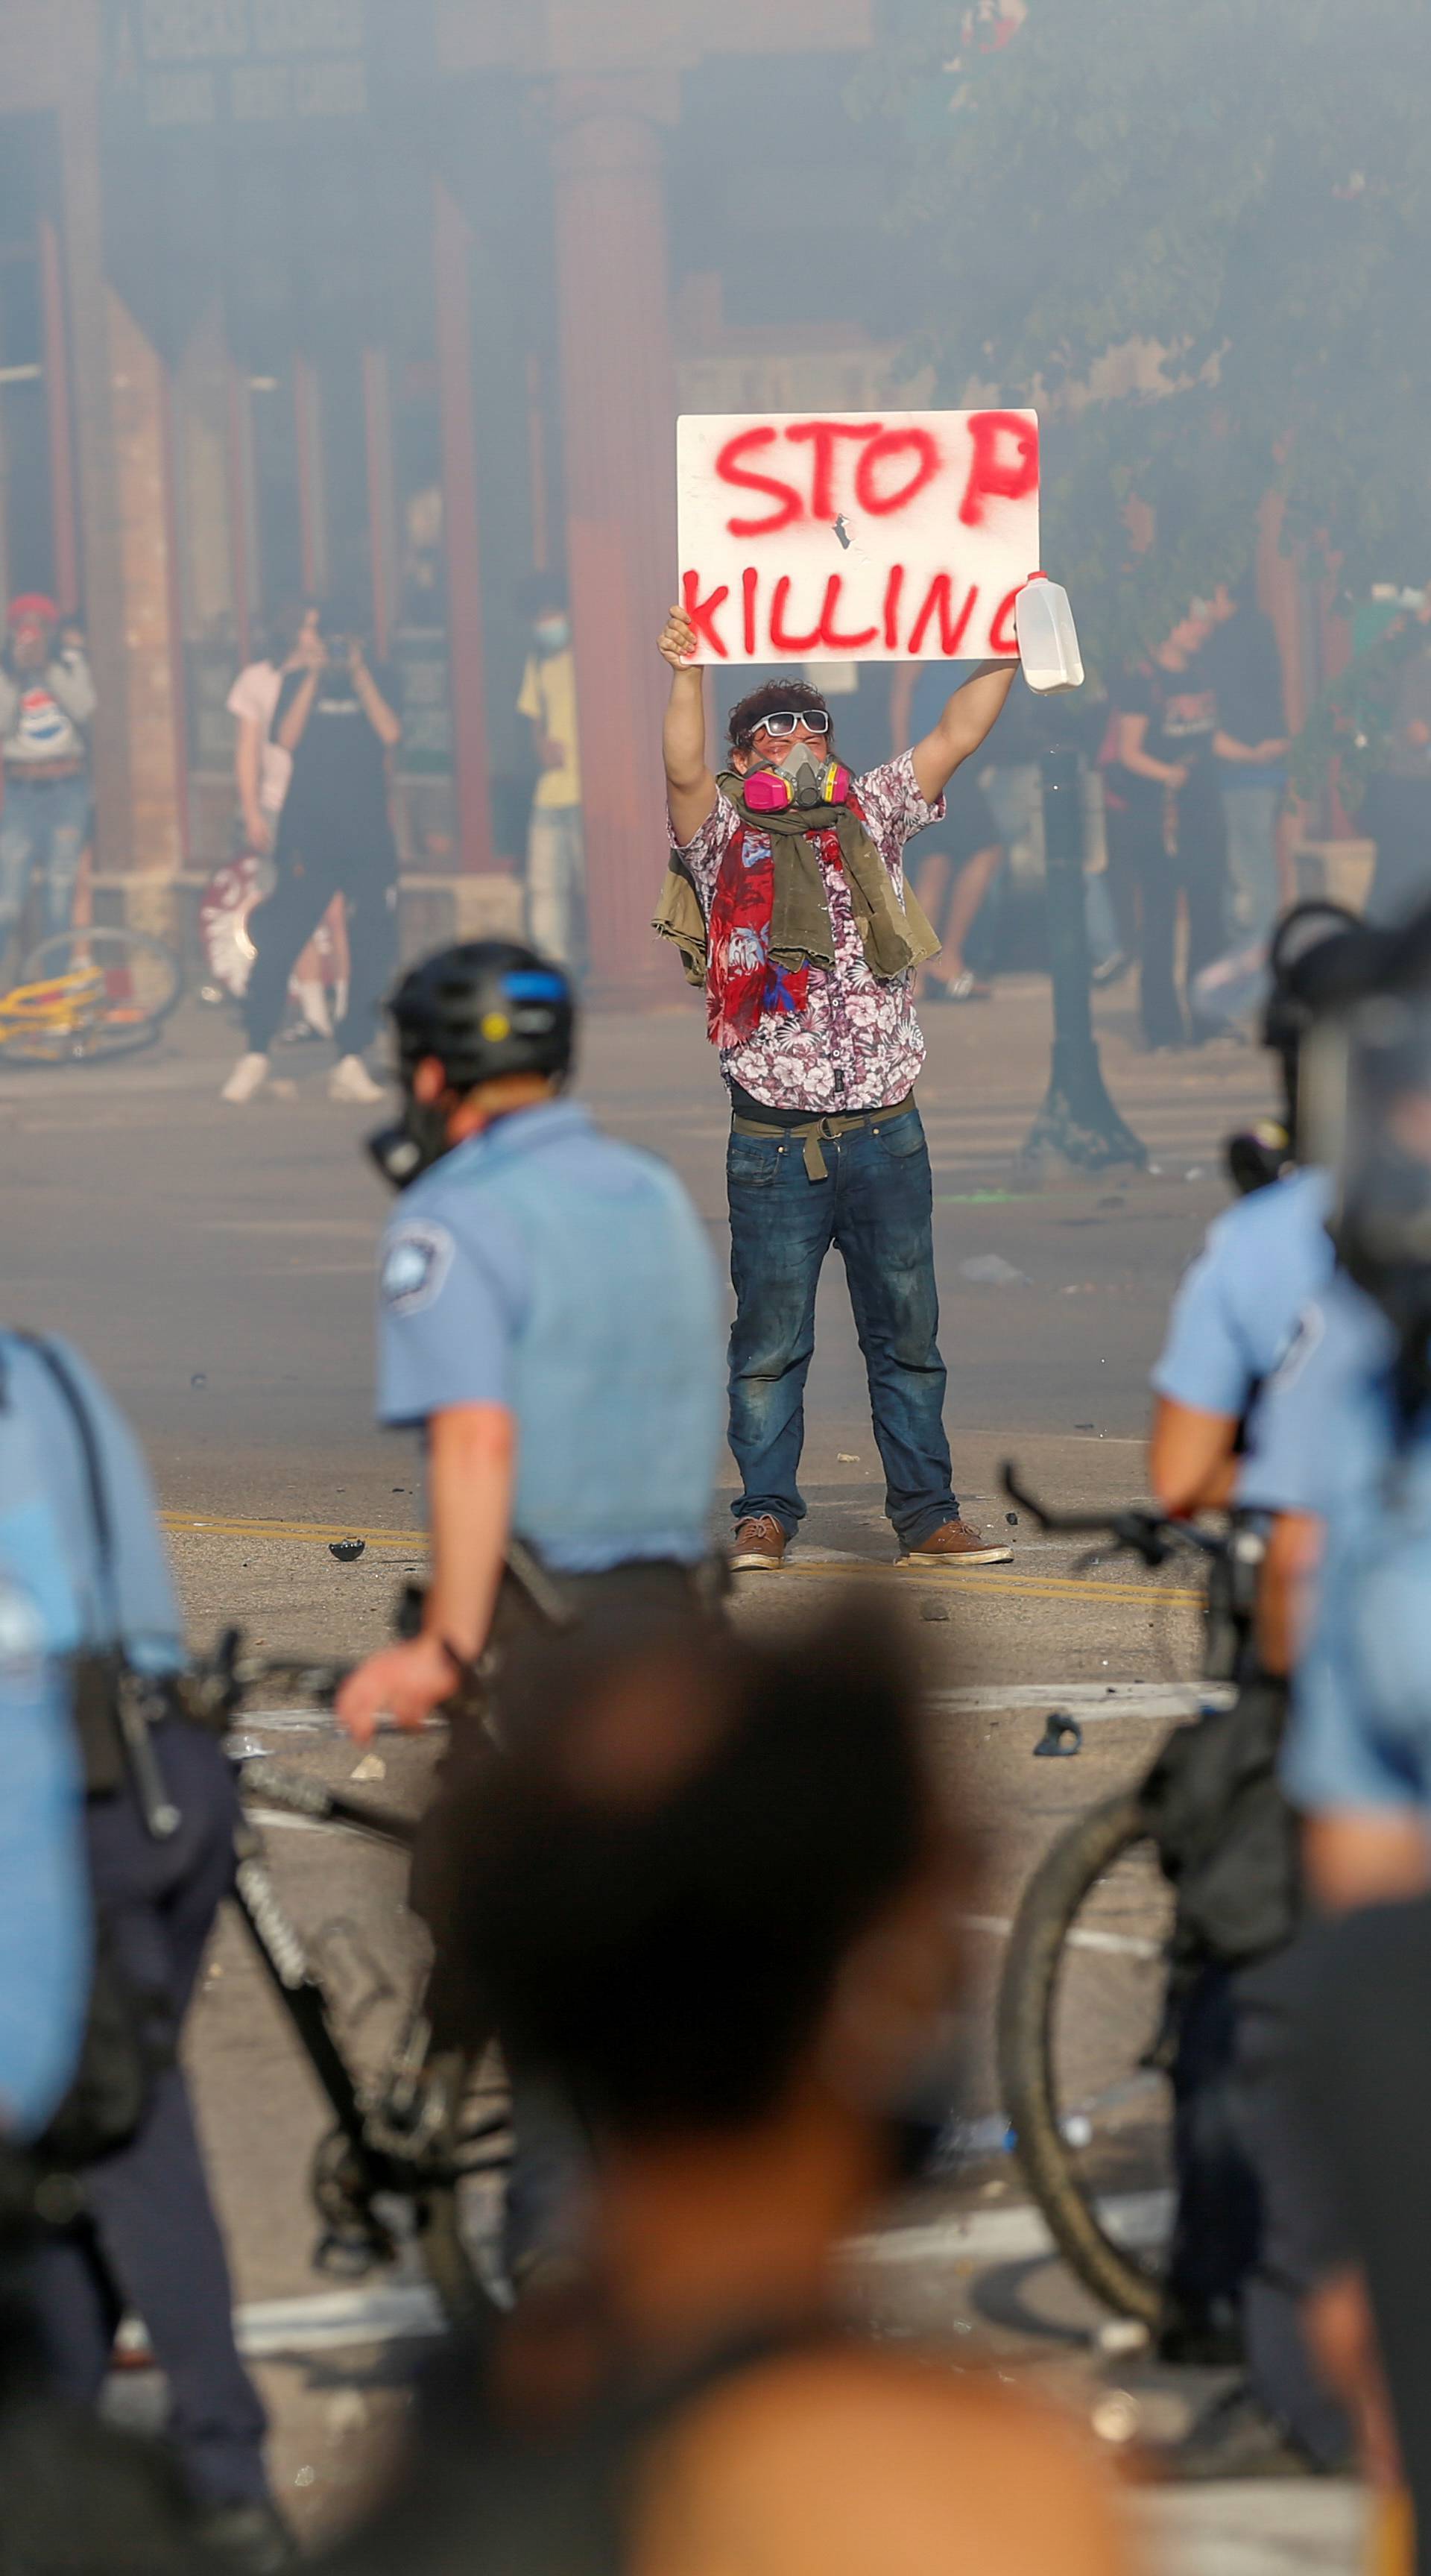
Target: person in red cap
column 47, row 703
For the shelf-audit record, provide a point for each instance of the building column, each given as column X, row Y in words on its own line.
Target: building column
column 452, row 257
column 121, row 403
column 618, row 410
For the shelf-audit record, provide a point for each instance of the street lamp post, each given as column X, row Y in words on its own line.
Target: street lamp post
column 1077, row 1123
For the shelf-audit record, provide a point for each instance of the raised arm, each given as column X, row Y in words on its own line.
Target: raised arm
column 69, row 677
column 294, row 723
column 691, row 789
column 968, row 718
column 385, row 721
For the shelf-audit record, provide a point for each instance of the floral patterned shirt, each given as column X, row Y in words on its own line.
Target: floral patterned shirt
column 857, row 1043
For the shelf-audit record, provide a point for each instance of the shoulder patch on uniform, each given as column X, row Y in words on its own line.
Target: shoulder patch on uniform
column 415, row 1265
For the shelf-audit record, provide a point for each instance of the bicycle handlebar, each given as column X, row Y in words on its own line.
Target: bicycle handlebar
column 1138, row 1527
column 214, row 1686
column 305, row 1797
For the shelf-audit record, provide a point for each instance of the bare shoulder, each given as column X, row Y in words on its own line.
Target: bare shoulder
column 846, row 2462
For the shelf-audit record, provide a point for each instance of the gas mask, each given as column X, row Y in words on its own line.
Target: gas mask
column 410, row 1147
column 799, row 779
column 1259, row 1155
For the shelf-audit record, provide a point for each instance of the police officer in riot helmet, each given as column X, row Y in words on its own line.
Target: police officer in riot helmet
column 1344, row 1462
column 1371, row 1104
column 1237, row 1306
column 548, row 1320
column 1226, row 1838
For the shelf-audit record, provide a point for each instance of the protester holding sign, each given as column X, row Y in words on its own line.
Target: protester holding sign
column 786, row 897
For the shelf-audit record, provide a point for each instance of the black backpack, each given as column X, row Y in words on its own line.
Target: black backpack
column 1226, row 1837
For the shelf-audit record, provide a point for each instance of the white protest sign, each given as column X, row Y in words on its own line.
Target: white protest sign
column 859, row 536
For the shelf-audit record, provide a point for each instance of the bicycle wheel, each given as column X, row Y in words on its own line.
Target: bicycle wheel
column 107, row 992
column 1082, row 2015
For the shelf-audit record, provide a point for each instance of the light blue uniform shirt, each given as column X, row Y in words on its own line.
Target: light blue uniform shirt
column 547, row 1268
column 48, row 1543
column 1360, row 1733
column 44, row 1882
column 55, row 1600
column 1237, row 1308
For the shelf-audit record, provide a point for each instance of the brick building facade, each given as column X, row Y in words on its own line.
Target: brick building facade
column 399, row 298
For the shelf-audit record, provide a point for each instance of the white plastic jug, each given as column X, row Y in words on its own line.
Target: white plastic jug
column 1048, row 638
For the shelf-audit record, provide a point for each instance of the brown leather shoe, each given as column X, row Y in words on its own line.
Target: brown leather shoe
column 759, row 1542
column 958, row 1543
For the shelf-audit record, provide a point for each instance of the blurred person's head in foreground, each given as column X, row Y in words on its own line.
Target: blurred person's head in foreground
column 712, row 1894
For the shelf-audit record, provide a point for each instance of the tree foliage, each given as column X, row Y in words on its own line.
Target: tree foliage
column 1240, row 188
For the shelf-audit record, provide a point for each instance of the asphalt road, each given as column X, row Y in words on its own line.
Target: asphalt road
column 217, row 1266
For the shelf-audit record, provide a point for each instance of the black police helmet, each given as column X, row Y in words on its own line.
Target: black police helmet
column 485, row 1009
column 1293, row 995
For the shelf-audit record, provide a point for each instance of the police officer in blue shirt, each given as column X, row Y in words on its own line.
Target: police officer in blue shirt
column 550, row 1321
column 1345, row 1463
column 44, row 1889
column 1346, row 1458
column 80, row 1540
column 1238, row 1305
column 549, row 1318
column 1234, row 1317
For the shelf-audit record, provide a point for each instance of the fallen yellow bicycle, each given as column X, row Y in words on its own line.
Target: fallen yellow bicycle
column 84, row 994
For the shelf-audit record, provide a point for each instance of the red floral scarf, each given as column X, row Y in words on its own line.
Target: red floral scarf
column 744, row 985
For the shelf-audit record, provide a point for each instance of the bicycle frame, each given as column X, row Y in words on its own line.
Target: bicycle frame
column 60, row 1008
column 304, row 1997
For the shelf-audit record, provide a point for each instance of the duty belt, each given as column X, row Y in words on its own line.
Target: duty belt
column 821, row 1131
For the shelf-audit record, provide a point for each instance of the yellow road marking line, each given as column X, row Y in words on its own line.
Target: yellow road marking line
column 306, row 1533
column 1028, row 1587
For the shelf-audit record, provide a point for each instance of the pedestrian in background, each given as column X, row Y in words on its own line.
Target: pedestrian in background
column 1243, row 665
column 336, row 718
column 47, row 704
column 262, row 770
column 1168, row 823
column 1398, row 797
column 966, row 854
column 556, row 851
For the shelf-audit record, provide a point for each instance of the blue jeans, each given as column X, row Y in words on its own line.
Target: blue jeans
column 44, row 827
column 1252, row 860
column 876, row 1206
